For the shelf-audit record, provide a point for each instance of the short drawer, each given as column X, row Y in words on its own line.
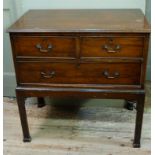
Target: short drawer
column 86, row 73
column 36, row 46
column 111, row 46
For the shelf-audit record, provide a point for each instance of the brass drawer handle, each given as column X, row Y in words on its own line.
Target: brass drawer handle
column 107, row 75
column 112, row 49
column 48, row 74
column 44, row 50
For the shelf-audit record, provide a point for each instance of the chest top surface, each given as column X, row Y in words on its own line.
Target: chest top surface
column 85, row 20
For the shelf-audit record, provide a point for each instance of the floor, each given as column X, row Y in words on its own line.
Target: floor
column 76, row 127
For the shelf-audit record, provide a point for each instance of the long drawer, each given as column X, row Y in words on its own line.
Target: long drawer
column 111, row 46
column 85, row 73
column 44, row 46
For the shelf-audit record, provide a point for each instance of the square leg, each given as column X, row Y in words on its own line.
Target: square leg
column 23, row 118
column 139, row 120
column 41, row 102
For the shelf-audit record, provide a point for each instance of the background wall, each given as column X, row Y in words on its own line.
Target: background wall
column 148, row 15
column 13, row 9
column 54, row 4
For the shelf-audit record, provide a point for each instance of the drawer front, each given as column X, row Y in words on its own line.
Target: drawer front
column 45, row 46
column 111, row 47
column 86, row 73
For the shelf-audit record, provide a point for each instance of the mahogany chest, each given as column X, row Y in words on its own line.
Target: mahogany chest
column 81, row 53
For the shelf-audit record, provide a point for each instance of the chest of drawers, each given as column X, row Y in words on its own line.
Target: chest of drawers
column 81, row 53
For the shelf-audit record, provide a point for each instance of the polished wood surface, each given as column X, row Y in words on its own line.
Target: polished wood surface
column 45, row 46
column 87, row 73
column 81, row 53
column 110, row 20
column 112, row 46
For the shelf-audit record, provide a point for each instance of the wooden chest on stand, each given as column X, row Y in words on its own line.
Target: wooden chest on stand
column 81, row 53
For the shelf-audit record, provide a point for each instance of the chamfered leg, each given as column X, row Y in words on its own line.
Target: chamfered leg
column 23, row 118
column 139, row 120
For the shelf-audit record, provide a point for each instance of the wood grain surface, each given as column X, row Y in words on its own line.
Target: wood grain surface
column 85, row 73
column 86, row 20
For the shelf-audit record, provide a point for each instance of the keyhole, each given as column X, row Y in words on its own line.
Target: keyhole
column 44, row 42
column 110, row 40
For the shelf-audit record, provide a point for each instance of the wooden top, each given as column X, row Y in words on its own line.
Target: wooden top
column 109, row 20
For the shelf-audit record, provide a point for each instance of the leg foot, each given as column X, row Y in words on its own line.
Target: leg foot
column 27, row 139
column 129, row 105
column 41, row 102
column 136, row 145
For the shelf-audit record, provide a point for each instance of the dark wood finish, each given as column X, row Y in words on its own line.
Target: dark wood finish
column 23, row 117
column 36, row 46
column 84, row 73
column 79, row 92
column 130, row 105
column 41, row 102
column 109, row 20
column 139, row 119
column 81, row 53
column 112, row 46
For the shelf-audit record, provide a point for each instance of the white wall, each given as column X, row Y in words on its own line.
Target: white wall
column 148, row 15
column 55, row 4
